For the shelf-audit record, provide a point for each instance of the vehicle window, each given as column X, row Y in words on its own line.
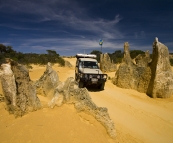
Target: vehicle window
column 88, row 64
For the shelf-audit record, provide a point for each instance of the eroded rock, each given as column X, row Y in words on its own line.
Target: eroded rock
column 8, row 85
column 161, row 83
column 83, row 102
column 106, row 65
column 19, row 92
column 153, row 77
column 69, row 93
column 26, row 99
column 48, row 82
column 143, row 61
column 133, row 76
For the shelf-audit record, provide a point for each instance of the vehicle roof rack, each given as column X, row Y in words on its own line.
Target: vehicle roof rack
column 86, row 56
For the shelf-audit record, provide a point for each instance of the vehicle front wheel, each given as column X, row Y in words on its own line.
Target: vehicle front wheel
column 81, row 84
column 101, row 86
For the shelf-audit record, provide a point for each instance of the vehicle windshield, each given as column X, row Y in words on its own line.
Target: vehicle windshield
column 88, row 64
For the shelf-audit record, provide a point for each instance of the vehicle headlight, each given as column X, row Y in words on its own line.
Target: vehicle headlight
column 86, row 76
column 81, row 75
column 90, row 76
column 98, row 76
column 104, row 76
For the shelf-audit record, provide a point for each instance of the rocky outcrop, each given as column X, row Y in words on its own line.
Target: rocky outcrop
column 161, row 83
column 143, row 61
column 153, row 77
column 106, row 65
column 48, row 82
column 133, row 76
column 69, row 93
column 26, row 99
column 127, row 59
column 8, row 85
column 19, row 92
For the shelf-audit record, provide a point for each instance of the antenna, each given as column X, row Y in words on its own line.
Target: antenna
column 101, row 43
column 84, row 61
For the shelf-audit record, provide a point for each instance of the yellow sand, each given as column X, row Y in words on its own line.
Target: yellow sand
column 137, row 117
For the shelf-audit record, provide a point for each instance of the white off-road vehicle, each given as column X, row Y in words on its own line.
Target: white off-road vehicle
column 87, row 71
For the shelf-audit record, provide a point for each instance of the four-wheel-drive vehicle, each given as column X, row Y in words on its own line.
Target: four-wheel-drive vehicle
column 87, row 71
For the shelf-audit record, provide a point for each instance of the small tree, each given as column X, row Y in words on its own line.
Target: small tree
column 2, row 48
column 134, row 53
column 97, row 53
column 51, row 52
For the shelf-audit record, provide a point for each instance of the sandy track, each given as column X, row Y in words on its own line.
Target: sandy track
column 137, row 117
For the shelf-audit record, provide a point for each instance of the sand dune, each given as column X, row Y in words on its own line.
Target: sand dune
column 137, row 117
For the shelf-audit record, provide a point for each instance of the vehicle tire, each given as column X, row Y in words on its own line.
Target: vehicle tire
column 101, row 86
column 81, row 84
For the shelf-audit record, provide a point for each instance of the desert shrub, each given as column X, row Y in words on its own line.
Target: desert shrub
column 117, row 56
column 134, row 53
column 30, row 58
column 97, row 53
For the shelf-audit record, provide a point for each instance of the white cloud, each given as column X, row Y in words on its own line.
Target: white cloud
column 66, row 13
column 104, row 28
column 73, row 45
column 74, row 18
column 6, row 44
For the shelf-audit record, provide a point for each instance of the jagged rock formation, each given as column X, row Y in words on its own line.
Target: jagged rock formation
column 106, row 65
column 48, row 82
column 153, row 77
column 68, row 92
column 68, row 64
column 133, row 76
column 8, row 85
column 26, row 99
column 161, row 83
column 142, row 61
column 19, row 92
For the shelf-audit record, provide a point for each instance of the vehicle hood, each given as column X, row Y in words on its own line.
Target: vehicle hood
column 90, row 71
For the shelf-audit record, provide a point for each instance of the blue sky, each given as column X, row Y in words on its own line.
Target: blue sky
column 75, row 26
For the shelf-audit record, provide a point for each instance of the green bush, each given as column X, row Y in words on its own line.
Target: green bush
column 97, row 53
column 30, row 58
column 134, row 53
column 118, row 55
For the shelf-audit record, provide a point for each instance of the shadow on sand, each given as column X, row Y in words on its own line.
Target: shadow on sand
column 93, row 88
